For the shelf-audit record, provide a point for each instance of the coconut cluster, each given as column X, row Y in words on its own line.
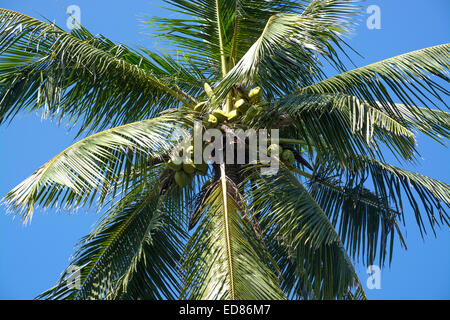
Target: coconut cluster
column 285, row 155
column 245, row 107
column 186, row 170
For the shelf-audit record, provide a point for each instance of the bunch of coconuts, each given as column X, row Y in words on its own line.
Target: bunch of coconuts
column 185, row 171
column 244, row 105
column 286, row 155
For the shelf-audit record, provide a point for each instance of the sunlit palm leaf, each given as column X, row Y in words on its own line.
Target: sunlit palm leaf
column 405, row 77
column 77, row 76
column 195, row 29
column 92, row 165
column 286, row 52
column 342, row 124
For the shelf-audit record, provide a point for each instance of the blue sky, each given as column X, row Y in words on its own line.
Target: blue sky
column 32, row 257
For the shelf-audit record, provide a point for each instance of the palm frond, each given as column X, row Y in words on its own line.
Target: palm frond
column 195, row 30
column 92, row 166
column 79, row 77
column 133, row 252
column 425, row 195
column 302, row 240
column 433, row 123
column 286, row 53
column 223, row 258
column 357, row 294
column 342, row 125
column 405, row 77
column 365, row 222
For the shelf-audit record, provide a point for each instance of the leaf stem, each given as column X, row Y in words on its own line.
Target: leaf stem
column 223, row 178
column 219, row 30
column 292, row 141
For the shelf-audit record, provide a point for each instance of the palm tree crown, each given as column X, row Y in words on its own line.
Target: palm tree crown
column 219, row 230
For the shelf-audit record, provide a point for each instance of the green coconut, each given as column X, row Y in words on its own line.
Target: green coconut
column 255, row 94
column 199, row 106
column 274, row 149
column 210, row 121
column 181, row 178
column 233, row 115
column 189, row 167
column 241, row 105
column 175, row 167
column 219, row 114
column 288, row 157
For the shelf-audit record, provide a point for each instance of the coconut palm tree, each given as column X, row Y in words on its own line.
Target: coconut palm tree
column 221, row 230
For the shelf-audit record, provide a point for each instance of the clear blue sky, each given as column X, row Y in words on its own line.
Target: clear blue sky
column 32, row 257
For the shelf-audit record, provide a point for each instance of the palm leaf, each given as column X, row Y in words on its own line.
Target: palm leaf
column 195, row 30
column 132, row 253
column 285, row 54
column 302, row 240
column 425, row 195
column 405, row 77
column 92, row 166
column 77, row 76
column 342, row 125
column 223, row 257
column 365, row 222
